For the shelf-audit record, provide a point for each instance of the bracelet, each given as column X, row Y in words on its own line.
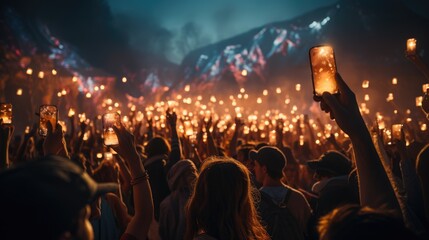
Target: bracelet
column 140, row 179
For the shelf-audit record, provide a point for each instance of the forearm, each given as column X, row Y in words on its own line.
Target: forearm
column 412, row 185
column 4, row 155
column 176, row 150
column 211, row 145
column 125, row 174
column 143, row 204
column 233, row 143
column 279, row 138
column 374, row 186
column 21, row 151
column 79, row 143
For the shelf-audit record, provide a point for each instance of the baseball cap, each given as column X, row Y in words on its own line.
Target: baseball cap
column 272, row 158
column 333, row 162
column 45, row 196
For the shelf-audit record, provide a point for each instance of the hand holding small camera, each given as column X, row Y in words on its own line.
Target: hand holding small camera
column 55, row 143
column 171, row 118
column 126, row 147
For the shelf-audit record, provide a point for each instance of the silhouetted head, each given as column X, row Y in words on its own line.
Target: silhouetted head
column 222, row 202
column 157, row 146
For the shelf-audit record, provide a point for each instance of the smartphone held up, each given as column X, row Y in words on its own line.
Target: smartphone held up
column 47, row 113
column 109, row 135
column 323, row 70
column 6, row 113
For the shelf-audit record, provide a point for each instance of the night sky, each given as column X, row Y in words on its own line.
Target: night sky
column 212, row 20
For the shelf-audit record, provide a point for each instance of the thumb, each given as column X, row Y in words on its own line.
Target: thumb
column 332, row 102
column 342, row 85
column 58, row 128
column 49, row 127
column 118, row 128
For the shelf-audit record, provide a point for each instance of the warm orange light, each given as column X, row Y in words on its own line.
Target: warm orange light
column 367, row 97
column 41, row 74
column 425, row 87
column 265, row 92
column 71, row 112
column 411, row 46
column 419, row 101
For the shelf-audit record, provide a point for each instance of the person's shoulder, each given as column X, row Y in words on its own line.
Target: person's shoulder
column 295, row 194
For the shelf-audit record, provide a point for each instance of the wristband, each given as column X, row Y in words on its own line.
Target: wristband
column 140, row 179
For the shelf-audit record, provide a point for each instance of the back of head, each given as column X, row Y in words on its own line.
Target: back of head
column 157, row 146
column 182, row 175
column 42, row 199
column 106, row 172
column 331, row 164
column 272, row 158
column 243, row 154
column 222, row 202
column 354, row 222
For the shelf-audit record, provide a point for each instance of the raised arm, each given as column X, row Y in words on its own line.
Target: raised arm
column 138, row 227
column 125, row 173
column 6, row 132
column 23, row 147
column 279, row 133
column 211, row 145
column 374, row 186
column 233, row 144
column 79, row 141
column 176, row 150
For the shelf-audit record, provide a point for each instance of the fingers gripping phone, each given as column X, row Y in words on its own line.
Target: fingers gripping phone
column 6, row 113
column 323, row 70
column 47, row 113
column 109, row 135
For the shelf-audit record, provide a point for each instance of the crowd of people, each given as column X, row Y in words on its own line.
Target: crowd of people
column 228, row 179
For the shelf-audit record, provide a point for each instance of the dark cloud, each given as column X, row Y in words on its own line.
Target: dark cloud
column 99, row 37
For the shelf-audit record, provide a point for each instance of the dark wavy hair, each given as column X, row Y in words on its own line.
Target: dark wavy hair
column 157, row 146
column 222, row 203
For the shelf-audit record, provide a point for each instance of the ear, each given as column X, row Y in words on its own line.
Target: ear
column 264, row 169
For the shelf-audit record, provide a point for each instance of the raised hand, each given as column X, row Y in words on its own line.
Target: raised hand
column 83, row 125
column 238, row 122
column 54, row 142
column 171, row 118
column 126, row 148
column 209, row 123
column 32, row 131
column 343, row 108
column 6, row 132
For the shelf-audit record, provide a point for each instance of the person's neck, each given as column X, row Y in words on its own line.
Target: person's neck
column 270, row 182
